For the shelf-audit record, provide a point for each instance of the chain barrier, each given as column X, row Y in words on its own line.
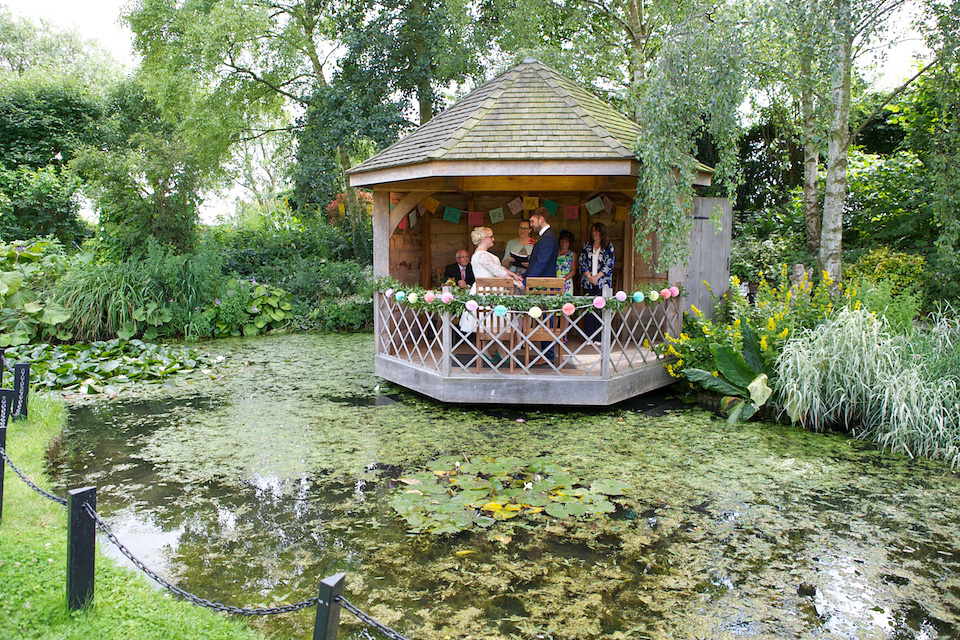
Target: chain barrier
column 197, row 600
column 29, row 482
column 186, row 595
column 369, row 621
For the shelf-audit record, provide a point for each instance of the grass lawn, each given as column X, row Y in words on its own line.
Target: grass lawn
column 33, row 563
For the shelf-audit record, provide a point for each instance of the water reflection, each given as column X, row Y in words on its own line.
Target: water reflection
column 250, row 487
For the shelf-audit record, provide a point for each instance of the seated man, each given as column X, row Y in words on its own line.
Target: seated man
column 461, row 271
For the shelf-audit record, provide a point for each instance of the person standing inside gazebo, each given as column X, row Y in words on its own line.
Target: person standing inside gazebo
column 596, row 268
column 518, row 249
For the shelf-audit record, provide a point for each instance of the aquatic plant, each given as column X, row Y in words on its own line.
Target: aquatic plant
column 741, row 379
column 104, row 366
column 900, row 391
column 456, row 494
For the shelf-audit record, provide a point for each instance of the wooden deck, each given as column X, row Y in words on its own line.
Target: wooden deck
column 427, row 353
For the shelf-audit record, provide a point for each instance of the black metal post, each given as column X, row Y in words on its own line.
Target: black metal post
column 81, row 540
column 328, row 609
column 6, row 400
column 21, row 388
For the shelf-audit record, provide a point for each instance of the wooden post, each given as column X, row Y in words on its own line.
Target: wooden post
column 381, row 233
column 447, row 341
column 607, row 319
column 21, row 387
column 328, row 609
column 426, row 254
column 629, row 249
column 81, row 542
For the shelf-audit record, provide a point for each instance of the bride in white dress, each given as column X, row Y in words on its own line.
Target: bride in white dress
column 485, row 265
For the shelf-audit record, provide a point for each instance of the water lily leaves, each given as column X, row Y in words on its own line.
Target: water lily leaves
column 610, row 487
column 456, row 494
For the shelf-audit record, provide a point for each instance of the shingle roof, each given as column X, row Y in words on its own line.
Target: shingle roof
column 530, row 112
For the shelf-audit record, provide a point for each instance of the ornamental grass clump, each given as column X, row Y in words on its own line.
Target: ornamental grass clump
column 902, row 392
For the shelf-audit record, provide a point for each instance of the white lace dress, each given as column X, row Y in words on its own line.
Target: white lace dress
column 485, row 265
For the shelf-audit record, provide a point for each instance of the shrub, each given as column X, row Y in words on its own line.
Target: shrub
column 898, row 308
column 27, row 271
column 903, row 270
column 750, row 256
column 244, row 307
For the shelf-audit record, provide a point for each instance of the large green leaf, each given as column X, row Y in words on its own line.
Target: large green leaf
column 10, row 282
column 54, row 314
column 759, row 390
column 706, row 380
column 751, row 346
column 732, row 365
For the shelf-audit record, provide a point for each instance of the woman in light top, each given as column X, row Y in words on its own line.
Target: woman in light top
column 566, row 261
column 522, row 245
column 485, row 265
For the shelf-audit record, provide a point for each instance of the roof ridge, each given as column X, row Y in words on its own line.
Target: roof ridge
column 551, row 77
column 506, row 80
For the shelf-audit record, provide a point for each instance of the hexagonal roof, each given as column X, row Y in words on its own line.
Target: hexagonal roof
column 530, row 112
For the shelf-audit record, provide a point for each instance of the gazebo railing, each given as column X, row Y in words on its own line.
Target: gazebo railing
column 433, row 341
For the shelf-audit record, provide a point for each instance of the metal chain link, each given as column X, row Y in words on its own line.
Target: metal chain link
column 366, row 618
column 29, row 481
column 186, row 595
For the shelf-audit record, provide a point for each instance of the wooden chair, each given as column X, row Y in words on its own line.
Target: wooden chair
column 490, row 324
column 547, row 329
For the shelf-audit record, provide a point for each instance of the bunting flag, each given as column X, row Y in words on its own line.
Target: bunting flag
column 607, row 204
column 475, row 218
column 496, row 215
column 571, row 212
column 551, row 207
column 620, row 214
column 413, row 218
column 431, row 204
column 516, row 205
column 529, row 204
column 403, row 224
column 422, row 210
column 595, row 206
column 452, row 215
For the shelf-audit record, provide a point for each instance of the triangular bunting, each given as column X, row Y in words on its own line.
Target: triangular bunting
column 403, row 224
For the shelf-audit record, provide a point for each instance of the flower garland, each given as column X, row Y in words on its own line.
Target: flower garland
column 530, row 304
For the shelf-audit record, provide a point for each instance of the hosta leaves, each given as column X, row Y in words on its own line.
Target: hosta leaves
column 731, row 365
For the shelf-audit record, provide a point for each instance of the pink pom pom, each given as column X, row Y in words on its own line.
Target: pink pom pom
column 568, row 308
column 472, row 305
column 674, row 291
column 599, row 302
column 664, row 293
column 428, row 296
column 446, row 298
column 621, row 296
column 388, row 293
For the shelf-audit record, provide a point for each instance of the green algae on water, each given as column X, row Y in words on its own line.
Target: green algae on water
column 278, row 473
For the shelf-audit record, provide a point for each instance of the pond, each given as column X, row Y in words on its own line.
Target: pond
column 252, row 483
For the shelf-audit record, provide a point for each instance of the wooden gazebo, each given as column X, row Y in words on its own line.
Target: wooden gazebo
column 528, row 136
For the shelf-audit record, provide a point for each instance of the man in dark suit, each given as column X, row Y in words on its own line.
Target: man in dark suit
column 543, row 259
column 461, row 270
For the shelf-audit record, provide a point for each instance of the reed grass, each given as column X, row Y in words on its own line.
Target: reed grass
column 901, row 391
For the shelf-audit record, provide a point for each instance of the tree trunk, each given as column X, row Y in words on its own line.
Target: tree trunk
column 831, row 235
column 811, row 164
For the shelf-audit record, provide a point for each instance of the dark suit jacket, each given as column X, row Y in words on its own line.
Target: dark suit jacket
column 543, row 260
column 453, row 271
